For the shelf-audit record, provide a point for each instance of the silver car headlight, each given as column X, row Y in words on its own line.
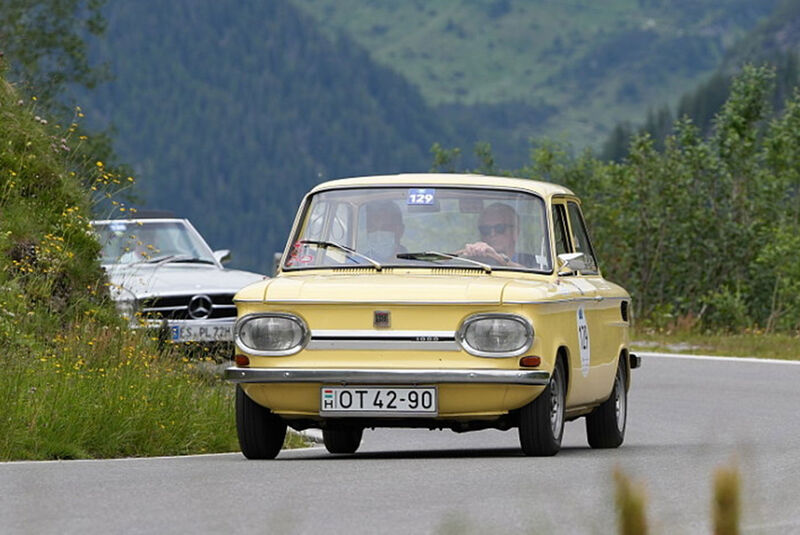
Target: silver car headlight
column 495, row 335
column 125, row 302
column 126, row 308
column 271, row 334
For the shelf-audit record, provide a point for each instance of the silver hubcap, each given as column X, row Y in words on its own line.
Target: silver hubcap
column 556, row 402
column 620, row 402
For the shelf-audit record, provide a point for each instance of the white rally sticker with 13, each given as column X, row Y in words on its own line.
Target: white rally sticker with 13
column 583, row 341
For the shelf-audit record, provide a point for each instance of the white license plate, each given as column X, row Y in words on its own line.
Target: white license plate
column 378, row 401
column 208, row 332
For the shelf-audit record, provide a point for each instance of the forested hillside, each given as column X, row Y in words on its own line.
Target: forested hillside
column 230, row 111
column 775, row 41
column 705, row 233
column 564, row 69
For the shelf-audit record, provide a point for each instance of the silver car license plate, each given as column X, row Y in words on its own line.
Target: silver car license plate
column 378, row 401
column 202, row 332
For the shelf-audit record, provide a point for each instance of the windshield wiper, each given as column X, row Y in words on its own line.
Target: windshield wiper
column 432, row 256
column 348, row 250
column 164, row 259
column 191, row 259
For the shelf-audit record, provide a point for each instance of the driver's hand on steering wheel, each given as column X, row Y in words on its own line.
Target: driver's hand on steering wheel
column 484, row 250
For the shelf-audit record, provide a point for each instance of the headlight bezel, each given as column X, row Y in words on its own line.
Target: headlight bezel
column 305, row 334
column 126, row 303
column 461, row 334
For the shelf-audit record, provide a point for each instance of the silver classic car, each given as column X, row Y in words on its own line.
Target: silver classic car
column 164, row 276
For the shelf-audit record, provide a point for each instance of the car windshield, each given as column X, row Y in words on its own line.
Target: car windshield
column 393, row 226
column 135, row 242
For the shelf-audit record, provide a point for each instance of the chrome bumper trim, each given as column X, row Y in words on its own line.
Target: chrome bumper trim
column 380, row 340
column 387, row 377
column 381, row 345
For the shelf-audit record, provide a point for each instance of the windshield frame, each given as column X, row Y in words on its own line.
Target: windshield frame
column 208, row 254
column 305, row 206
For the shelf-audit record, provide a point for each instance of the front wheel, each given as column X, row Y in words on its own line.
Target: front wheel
column 605, row 426
column 261, row 432
column 541, row 422
column 342, row 439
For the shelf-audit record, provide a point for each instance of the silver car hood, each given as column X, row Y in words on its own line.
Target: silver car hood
column 145, row 280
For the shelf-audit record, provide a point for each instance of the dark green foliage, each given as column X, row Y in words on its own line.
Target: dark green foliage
column 45, row 43
column 774, row 41
column 231, row 112
column 704, row 231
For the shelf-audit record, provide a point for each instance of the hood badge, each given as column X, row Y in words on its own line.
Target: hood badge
column 381, row 319
column 200, row 307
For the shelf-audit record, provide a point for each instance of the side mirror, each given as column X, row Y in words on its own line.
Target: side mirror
column 569, row 263
column 276, row 262
column 222, row 256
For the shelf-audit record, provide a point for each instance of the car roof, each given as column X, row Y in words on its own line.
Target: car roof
column 545, row 189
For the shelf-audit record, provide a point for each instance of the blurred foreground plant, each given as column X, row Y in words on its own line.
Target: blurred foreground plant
column 630, row 501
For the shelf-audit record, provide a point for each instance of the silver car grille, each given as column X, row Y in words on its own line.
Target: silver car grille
column 188, row 307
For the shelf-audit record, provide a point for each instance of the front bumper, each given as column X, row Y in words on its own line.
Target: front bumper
column 387, row 377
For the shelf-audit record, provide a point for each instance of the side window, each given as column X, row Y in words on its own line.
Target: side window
column 582, row 243
column 560, row 229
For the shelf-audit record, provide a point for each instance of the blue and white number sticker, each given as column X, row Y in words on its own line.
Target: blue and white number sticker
column 421, row 196
column 583, row 342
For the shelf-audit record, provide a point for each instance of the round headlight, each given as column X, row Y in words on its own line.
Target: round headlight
column 126, row 308
column 271, row 334
column 496, row 335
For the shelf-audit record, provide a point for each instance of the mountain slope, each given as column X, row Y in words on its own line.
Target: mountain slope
column 589, row 64
column 230, row 111
column 776, row 41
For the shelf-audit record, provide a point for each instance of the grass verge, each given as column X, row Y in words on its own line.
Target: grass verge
column 754, row 344
column 102, row 392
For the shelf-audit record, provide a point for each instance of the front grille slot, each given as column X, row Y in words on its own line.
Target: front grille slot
column 176, row 307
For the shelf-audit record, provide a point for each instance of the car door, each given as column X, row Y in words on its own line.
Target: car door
column 597, row 308
column 579, row 309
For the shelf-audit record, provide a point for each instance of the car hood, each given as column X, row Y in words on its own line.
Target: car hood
column 401, row 288
column 144, row 280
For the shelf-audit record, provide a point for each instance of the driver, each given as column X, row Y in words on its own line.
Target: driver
column 140, row 247
column 499, row 228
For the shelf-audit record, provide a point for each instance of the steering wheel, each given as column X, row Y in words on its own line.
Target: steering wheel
column 482, row 258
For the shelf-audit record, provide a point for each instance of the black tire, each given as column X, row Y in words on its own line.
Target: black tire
column 342, row 439
column 261, row 433
column 541, row 422
column 605, row 426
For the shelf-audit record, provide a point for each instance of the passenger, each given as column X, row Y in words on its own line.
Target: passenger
column 384, row 226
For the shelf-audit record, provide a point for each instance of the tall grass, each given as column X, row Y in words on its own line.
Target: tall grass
column 75, row 381
column 97, row 392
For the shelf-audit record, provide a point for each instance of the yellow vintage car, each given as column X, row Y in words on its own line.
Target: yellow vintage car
column 433, row 301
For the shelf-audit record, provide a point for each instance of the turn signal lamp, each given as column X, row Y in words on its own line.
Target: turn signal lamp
column 530, row 362
column 242, row 360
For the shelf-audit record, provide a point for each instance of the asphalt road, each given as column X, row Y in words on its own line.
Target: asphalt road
column 686, row 418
